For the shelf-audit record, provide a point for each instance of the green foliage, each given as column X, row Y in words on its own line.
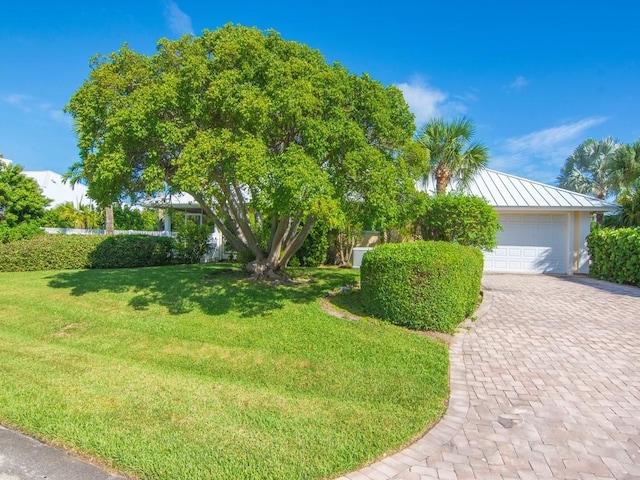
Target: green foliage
column 313, row 251
column 630, row 207
column 49, row 252
column 254, row 127
column 628, row 213
column 453, row 155
column 615, row 254
column 244, row 256
column 128, row 251
column 126, row 217
column 192, row 241
column 20, row 197
column 461, row 219
column 64, row 215
column 71, row 252
column 588, row 169
column 89, row 217
column 21, row 231
column 422, row 285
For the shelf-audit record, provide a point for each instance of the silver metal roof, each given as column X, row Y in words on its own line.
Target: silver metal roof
column 505, row 191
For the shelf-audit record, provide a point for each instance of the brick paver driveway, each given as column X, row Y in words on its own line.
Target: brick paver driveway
column 546, row 384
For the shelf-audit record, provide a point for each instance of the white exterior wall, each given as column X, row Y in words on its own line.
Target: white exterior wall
column 583, row 226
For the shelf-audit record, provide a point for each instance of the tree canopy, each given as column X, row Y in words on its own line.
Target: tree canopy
column 453, row 154
column 21, row 199
column 588, row 169
column 261, row 131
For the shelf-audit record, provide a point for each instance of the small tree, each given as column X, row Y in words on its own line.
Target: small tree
column 192, row 241
column 461, row 219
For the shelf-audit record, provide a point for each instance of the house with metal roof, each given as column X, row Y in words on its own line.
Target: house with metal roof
column 545, row 227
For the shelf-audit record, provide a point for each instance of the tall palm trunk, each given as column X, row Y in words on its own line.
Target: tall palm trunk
column 443, row 177
column 108, row 220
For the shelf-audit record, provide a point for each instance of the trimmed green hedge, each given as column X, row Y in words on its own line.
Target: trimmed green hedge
column 128, row 251
column 49, row 252
column 422, row 285
column 615, row 254
column 74, row 252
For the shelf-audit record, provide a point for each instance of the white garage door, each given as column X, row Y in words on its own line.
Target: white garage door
column 530, row 243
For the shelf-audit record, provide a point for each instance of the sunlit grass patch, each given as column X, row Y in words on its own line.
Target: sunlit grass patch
column 195, row 372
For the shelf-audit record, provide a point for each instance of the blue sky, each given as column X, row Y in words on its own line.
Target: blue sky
column 537, row 78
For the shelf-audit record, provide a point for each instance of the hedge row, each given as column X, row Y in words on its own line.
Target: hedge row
column 422, row 285
column 72, row 252
column 615, row 255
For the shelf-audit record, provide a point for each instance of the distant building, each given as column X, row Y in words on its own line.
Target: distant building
column 59, row 192
column 55, row 189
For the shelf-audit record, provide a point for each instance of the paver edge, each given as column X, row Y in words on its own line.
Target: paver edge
column 453, row 419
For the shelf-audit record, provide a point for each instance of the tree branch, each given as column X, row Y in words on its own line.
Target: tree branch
column 231, row 237
column 297, row 241
column 276, row 245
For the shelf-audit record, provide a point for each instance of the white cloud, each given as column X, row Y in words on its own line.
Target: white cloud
column 427, row 102
column 179, row 22
column 540, row 155
column 19, row 100
column 30, row 105
column 424, row 101
column 518, row 84
column 552, row 139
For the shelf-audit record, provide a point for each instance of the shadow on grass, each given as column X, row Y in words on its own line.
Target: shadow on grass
column 349, row 301
column 213, row 289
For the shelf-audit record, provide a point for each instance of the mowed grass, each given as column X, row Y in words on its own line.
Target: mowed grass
column 194, row 372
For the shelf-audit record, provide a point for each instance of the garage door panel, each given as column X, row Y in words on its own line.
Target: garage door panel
column 530, row 243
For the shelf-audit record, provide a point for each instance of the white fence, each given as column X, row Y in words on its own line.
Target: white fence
column 83, row 231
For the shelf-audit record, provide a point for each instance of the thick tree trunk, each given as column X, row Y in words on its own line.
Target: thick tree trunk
column 264, row 270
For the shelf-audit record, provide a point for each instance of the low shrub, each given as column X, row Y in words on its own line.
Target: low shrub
column 462, row 219
column 192, row 242
column 49, row 252
column 615, row 254
column 422, row 285
column 128, row 251
column 313, row 251
column 21, row 231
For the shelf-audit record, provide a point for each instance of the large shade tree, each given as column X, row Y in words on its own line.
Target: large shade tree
column 453, row 154
column 262, row 132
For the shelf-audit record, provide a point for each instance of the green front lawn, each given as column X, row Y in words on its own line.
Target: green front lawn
column 194, row 372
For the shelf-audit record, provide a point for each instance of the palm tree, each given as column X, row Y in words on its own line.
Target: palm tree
column 588, row 168
column 77, row 174
column 625, row 168
column 452, row 153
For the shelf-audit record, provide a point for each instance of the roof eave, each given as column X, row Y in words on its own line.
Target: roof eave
column 608, row 208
